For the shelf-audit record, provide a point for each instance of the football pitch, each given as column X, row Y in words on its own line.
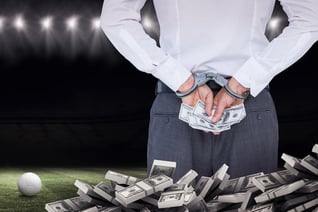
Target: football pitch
column 57, row 184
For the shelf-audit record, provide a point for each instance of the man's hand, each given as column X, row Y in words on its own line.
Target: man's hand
column 223, row 100
column 204, row 93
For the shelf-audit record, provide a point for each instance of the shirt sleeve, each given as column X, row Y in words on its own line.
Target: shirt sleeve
column 120, row 20
column 295, row 40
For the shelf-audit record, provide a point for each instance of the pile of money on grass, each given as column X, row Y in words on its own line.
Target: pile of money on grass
column 292, row 189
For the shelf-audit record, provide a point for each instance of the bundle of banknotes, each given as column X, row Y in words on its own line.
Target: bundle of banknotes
column 197, row 117
column 292, row 189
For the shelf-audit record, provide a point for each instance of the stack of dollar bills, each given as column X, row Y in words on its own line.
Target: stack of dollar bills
column 197, row 118
column 294, row 189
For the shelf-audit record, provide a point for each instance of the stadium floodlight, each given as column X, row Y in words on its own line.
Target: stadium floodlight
column 19, row 23
column 147, row 23
column 46, row 23
column 72, row 23
column 1, row 23
column 96, row 23
column 274, row 23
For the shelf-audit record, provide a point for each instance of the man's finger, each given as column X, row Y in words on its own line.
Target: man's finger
column 216, row 133
column 218, row 112
column 209, row 103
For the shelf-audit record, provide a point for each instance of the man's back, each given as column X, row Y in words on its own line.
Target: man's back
column 210, row 35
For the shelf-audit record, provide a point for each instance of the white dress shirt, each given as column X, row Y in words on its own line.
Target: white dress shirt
column 220, row 36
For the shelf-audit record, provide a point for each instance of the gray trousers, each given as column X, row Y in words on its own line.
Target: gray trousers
column 248, row 147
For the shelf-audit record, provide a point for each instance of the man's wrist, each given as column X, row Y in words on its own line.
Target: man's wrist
column 187, row 85
column 236, row 90
column 195, row 81
column 236, row 87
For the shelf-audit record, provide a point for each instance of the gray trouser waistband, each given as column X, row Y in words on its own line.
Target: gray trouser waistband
column 162, row 88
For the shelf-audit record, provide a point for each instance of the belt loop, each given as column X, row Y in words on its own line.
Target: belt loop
column 162, row 88
column 156, row 88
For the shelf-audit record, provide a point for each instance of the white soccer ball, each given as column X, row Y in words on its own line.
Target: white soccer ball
column 29, row 184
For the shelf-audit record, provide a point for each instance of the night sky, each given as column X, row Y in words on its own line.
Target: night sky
column 69, row 98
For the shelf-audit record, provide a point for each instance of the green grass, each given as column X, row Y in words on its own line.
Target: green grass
column 57, row 184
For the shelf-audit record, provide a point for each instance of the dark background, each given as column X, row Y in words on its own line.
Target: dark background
column 69, row 98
